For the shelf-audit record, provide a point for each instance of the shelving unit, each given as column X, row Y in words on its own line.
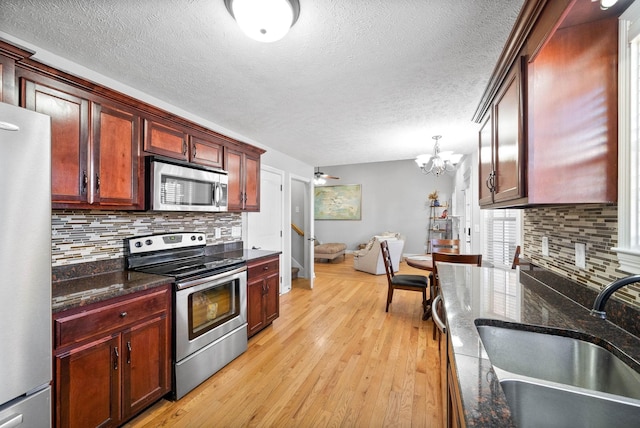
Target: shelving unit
column 439, row 224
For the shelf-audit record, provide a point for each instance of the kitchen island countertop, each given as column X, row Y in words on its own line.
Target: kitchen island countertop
column 512, row 296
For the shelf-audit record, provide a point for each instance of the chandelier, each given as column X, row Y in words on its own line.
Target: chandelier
column 438, row 163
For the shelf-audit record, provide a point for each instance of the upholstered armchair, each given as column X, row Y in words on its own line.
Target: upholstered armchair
column 370, row 259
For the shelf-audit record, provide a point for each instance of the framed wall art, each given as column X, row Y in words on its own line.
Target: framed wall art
column 343, row 202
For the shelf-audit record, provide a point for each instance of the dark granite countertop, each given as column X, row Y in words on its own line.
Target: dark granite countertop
column 72, row 293
column 86, row 283
column 249, row 255
column 497, row 296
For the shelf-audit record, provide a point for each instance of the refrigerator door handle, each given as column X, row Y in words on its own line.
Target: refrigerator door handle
column 12, row 421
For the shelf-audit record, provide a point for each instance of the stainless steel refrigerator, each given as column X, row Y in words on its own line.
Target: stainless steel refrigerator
column 25, row 268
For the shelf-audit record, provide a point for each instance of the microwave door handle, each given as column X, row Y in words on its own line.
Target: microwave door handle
column 217, row 196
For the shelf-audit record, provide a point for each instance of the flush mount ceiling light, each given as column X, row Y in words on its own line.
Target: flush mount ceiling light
column 264, row 20
column 438, row 163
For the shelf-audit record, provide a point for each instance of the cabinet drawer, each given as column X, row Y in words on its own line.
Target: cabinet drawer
column 263, row 268
column 108, row 318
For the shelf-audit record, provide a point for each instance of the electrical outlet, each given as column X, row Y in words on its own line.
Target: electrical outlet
column 218, row 233
column 581, row 256
column 236, row 231
column 545, row 246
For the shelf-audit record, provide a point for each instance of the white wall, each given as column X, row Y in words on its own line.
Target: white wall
column 394, row 198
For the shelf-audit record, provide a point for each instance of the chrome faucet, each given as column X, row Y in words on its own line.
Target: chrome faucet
column 601, row 300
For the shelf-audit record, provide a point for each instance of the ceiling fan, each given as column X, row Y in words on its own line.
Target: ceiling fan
column 321, row 178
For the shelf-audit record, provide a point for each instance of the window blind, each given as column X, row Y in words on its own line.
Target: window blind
column 501, row 236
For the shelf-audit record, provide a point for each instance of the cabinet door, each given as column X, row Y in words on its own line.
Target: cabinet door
column 255, row 308
column 233, row 164
column 165, row 140
column 116, row 152
column 88, row 385
column 251, row 183
column 508, row 139
column 485, row 161
column 272, row 296
column 206, row 152
column 573, row 140
column 145, row 362
column 69, row 139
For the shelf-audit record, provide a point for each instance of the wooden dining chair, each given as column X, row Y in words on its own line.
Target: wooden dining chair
column 450, row 246
column 516, row 258
column 468, row 259
column 404, row 282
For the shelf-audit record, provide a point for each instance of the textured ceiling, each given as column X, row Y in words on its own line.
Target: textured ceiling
column 352, row 82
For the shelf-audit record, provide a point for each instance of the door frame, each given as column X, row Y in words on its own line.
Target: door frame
column 308, row 226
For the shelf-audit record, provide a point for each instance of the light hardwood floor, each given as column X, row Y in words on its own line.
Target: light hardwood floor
column 332, row 358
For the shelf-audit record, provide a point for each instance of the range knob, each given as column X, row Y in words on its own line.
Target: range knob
column 138, row 244
column 193, row 237
column 148, row 242
column 200, row 238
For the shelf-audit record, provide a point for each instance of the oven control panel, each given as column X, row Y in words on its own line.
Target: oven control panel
column 166, row 241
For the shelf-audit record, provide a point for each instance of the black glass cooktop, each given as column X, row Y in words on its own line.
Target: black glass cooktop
column 193, row 267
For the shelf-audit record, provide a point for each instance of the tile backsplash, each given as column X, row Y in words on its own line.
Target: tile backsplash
column 596, row 226
column 90, row 236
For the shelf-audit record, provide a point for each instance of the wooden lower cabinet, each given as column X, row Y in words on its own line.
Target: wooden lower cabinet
column 106, row 379
column 263, row 293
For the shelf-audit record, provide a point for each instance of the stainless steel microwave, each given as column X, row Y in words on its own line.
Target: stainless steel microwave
column 179, row 186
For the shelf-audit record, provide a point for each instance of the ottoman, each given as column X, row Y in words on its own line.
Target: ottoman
column 329, row 251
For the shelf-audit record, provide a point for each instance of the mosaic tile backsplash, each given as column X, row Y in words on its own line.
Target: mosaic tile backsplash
column 90, row 236
column 596, row 226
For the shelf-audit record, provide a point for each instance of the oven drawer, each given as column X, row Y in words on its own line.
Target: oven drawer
column 263, row 268
column 108, row 318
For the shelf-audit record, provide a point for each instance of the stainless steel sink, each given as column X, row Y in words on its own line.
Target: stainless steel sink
column 564, row 360
column 535, row 405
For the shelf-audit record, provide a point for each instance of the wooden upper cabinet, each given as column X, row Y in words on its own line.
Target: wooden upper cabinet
column 9, row 55
column 252, row 182
column 244, row 180
column 69, row 139
column 485, row 161
column 207, row 152
column 94, row 163
column 163, row 139
column 501, row 144
column 574, row 109
column 233, row 164
column 116, row 157
column 555, row 128
column 508, row 142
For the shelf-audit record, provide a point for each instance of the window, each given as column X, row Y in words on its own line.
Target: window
column 629, row 141
column 502, row 232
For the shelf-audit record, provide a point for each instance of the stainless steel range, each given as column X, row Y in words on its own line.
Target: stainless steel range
column 209, row 307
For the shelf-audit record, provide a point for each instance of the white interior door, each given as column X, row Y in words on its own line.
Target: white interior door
column 265, row 228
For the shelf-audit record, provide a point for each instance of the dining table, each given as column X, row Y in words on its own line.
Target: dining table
column 422, row 261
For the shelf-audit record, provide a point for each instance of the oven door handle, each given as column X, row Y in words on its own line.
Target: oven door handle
column 188, row 284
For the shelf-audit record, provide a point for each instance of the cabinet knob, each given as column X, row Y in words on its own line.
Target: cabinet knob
column 123, row 314
column 265, row 268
